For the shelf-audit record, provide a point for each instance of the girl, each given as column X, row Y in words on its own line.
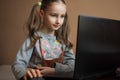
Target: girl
column 47, row 49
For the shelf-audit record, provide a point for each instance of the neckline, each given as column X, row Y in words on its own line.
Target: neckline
column 42, row 34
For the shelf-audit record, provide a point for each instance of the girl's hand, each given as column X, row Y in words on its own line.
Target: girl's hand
column 46, row 70
column 118, row 72
column 33, row 73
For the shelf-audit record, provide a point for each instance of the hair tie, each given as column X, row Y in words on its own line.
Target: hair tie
column 39, row 3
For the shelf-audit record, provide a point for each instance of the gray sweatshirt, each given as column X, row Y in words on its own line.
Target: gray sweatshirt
column 51, row 48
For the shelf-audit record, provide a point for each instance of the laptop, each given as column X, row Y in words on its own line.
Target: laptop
column 97, row 47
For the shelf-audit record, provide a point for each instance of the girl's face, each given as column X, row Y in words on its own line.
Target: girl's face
column 53, row 16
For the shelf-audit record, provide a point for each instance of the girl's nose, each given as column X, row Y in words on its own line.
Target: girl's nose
column 58, row 20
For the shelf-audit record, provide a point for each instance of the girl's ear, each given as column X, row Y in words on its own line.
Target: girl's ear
column 41, row 13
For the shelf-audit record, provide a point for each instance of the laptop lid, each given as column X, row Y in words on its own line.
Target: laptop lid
column 97, row 47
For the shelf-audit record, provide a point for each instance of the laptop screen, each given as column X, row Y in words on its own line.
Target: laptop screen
column 97, row 47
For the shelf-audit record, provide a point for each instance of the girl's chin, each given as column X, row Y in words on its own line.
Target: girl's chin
column 56, row 28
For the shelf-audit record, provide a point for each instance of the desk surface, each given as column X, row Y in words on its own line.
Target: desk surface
column 109, row 78
column 104, row 78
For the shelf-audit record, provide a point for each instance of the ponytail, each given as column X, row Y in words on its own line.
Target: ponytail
column 33, row 23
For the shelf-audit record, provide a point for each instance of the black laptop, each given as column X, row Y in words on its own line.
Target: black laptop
column 98, row 47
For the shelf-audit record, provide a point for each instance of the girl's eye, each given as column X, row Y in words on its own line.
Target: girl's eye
column 62, row 16
column 53, row 15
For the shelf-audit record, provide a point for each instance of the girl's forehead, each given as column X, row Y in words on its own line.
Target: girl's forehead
column 57, row 7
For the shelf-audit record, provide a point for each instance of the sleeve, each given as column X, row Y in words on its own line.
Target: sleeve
column 22, row 58
column 68, row 64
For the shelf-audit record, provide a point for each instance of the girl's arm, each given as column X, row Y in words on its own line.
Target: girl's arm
column 19, row 66
column 68, row 64
column 65, row 69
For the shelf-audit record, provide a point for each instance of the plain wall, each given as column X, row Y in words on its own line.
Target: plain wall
column 14, row 13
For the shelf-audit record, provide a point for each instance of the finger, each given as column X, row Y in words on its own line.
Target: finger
column 29, row 74
column 44, row 71
column 38, row 73
column 25, row 77
column 41, row 68
column 118, row 69
column 33, row 72
column 37, row 67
